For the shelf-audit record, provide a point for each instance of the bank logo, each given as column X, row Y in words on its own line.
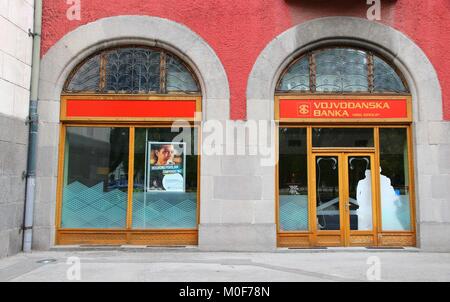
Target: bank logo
column 303, row 109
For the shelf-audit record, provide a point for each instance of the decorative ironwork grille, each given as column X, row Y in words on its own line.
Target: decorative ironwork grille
column 132, row 70
column 341, row 70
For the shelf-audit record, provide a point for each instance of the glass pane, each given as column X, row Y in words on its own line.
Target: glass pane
column 133, row 70
column 87, row 77
column 179, row 78
column 342, row 137
column 293, row 180
column 386, row 78
column 95, row 178
column 360, row 192
column 341, row 70
column 327, row 194
column 165, row 179
column 394, row 180
column 297, row 77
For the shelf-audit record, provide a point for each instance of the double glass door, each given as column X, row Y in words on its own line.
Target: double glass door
column 344, row 198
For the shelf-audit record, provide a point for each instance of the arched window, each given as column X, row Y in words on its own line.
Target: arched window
column 124, row 171
column 341, row 70
column 136, row 70
column 344, row 166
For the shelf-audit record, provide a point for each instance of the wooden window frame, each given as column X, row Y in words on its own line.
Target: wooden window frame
column 377, row 236
column 127, row 235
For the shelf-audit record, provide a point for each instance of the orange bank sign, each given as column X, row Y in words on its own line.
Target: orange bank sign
column 344, row 109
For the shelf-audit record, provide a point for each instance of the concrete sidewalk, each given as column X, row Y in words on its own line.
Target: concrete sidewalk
column 192, row 265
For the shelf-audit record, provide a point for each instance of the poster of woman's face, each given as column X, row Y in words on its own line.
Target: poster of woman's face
column 166, row 166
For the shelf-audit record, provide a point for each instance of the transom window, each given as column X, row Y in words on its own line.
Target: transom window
column 136, row 70
column 341, row 70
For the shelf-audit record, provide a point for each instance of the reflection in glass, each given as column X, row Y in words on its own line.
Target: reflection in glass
column 394, row 180
column 360, row 192
column 327, row 194
column 95, row 179
column 341, row 70
column 158, row 209
column 87, row 77
column 342, row 137
column 297, row 77
column 179, row 78
column 293, row 180
column 385, row 78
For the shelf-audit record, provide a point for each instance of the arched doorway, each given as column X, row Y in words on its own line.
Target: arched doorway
column 345, row 168
column 124, row 177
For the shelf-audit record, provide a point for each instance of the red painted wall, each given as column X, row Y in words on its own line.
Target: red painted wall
column 239, row 30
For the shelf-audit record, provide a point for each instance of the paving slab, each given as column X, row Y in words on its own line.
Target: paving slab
column 191, row 265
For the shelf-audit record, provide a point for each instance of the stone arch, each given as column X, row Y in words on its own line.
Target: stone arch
column 420, row 75
column 70, row 50
column 62, row 57
column 394, row 45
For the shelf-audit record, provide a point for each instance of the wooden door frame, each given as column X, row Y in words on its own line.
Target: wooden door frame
column 357, row 237
column 326, row 237
column 308, row 238
column 345, row 232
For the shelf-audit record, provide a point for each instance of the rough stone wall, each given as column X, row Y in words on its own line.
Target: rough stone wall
column 16, row 17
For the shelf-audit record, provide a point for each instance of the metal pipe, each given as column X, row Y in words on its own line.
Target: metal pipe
column 33, row 129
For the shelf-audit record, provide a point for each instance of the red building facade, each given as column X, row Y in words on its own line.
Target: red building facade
column 245, row 64
column 238, row 31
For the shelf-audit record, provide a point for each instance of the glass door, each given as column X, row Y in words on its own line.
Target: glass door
column 328, row 199
column 359, row 199
column 328, row 193
column 343, row 199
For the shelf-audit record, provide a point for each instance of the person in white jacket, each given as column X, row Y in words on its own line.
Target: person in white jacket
column 364, row 199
